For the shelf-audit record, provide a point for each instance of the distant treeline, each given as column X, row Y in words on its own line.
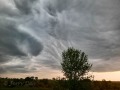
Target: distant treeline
column 57, row 84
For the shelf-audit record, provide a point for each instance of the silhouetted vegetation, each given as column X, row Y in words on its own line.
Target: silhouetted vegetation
column 54, row 84
column 75, row 67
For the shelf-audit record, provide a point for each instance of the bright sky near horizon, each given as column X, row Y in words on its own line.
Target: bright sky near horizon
column 33, row 34
column 108, row 76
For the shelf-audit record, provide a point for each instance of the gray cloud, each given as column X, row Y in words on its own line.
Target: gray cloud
column 7, row 9
column 15, row 43
column 16, row 69
column 24, row 6
column 10, row 36
column 92, row 26
column 89, row 25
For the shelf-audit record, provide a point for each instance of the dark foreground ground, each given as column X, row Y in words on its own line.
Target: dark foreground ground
column 23, row 88
column 99, row 85
column 55, row 84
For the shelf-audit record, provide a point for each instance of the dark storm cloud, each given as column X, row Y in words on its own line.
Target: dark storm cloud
column 13, row 42
column 89, row 25
column 5, row 58
column 24, row 6
column 9, row 36
column 15, row 69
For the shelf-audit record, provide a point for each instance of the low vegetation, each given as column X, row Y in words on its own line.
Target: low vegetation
column 30, row 83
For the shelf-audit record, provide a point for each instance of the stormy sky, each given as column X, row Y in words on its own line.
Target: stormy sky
column 33, row 33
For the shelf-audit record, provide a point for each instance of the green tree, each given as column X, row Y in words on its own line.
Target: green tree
column 75, row 66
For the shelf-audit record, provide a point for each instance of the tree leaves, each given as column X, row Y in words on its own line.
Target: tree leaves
column 75, row 64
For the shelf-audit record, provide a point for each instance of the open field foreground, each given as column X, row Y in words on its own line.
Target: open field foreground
column 23, row 89
column 56, row 84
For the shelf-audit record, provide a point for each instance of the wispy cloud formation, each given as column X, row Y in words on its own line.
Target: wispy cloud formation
column 35, row 32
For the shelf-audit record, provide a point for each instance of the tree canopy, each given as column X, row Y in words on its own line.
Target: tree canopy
column 75, row 64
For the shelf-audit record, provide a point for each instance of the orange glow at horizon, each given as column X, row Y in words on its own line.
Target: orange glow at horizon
column 112, row 76
column 109, row 76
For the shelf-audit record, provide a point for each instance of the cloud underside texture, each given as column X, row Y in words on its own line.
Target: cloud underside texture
column 33, row 33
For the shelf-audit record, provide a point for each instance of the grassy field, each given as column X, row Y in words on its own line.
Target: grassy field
column 46, row 84
column 23, row 88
